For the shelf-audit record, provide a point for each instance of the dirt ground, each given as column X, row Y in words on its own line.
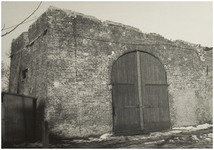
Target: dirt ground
column 181, row 138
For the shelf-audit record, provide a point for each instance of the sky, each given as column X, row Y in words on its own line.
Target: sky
column 189, row 21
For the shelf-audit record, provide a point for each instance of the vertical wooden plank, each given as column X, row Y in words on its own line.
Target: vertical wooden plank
column 29, row 116
column 24, row 117
column 140, row 90
column 3, row 117
column 45, row 138
column 34, row 118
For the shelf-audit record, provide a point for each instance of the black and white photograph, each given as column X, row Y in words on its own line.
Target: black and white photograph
column 107, row 74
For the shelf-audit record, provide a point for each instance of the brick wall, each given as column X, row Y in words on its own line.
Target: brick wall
column 69, row 57
column 29, row 55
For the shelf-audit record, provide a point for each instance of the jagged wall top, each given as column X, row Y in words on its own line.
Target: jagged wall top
column 50, row 12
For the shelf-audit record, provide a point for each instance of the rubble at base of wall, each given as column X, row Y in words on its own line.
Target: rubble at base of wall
column 183, row 137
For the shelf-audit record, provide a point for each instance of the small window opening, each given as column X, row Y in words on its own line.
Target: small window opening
column 24, row 73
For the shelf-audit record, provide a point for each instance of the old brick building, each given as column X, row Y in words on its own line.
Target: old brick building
column 94, row 77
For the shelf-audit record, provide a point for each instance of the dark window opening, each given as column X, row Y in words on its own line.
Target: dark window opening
column 24, row 73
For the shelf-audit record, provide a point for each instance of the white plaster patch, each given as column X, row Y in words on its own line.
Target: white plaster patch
column 202, row 58
column 85, row 41
column 109, row 86
column 85, row 54
column 56, row 84
column 103, row 82
column 112, row 54
column 201, row 54
column 91, row 30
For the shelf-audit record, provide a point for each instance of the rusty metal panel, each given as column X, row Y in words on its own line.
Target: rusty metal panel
column 19, row 117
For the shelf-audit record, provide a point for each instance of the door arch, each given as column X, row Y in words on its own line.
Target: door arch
column 139, row 93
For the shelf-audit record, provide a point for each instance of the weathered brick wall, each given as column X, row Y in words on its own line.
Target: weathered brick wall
column 62, row 112
column 29, row 52
column 17, row 47
column 70, row 56
column 185, row 64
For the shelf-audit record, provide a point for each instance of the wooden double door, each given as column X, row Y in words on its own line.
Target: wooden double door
column 140, row 95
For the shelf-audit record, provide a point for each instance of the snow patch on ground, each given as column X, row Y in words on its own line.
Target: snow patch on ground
column 105, row 136
column 191, row 128
column 177, row 130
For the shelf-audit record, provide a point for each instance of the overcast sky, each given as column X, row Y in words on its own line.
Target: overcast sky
column 188, row 21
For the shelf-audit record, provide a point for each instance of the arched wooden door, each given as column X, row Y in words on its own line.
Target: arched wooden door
column 140, row 97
